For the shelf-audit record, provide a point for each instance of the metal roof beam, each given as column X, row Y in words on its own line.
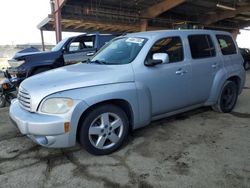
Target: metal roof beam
column 157, row 9
column 209, row 19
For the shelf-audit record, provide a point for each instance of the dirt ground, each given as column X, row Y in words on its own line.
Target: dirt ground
column 197, row 149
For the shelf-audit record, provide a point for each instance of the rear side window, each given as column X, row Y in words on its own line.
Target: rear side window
column 226, row 44
column 201, row 46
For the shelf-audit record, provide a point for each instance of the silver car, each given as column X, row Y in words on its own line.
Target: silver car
column 131, row 81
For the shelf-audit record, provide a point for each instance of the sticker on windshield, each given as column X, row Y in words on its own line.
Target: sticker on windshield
column 135, row 40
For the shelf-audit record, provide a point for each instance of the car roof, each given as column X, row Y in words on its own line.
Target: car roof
column 89, row 34
column 175, row 32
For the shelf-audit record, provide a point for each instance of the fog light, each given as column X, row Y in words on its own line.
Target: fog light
column 42, row 140
column 66, row 127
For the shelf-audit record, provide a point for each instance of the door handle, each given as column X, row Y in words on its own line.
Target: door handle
column 180, row 72
column 90, row 53
column 215, row 65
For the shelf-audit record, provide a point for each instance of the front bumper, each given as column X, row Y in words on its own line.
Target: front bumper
column 45, row 130
column 19, row 73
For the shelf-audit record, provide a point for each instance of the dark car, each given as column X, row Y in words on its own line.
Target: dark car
column 68, row 51
column 246, row 56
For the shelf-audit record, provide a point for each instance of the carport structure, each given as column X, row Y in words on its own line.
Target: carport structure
column 113, row 16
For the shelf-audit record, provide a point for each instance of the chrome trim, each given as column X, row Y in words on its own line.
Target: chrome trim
column 24, row 99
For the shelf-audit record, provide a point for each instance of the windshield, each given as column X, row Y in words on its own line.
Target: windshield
column 120, row 50
column 59, row 45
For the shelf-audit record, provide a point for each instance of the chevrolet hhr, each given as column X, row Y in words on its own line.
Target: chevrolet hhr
column 133, row 80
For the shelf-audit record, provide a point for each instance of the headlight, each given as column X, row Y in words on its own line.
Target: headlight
column 57, row 105
column 14, row 63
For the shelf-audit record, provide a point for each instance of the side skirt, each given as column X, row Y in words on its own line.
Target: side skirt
column 161, row 116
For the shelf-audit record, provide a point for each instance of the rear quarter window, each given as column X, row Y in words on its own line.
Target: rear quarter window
column 227, row 45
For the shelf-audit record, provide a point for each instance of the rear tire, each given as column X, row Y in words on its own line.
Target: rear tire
column 227, row 98
column 104, row 129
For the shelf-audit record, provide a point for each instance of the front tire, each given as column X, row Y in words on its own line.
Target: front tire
column 104, row 129
column 228, row 97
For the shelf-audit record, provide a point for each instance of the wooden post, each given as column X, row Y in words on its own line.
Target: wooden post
column 58, row 25
column 144, row 25
column 42, row 37
column 235, row 33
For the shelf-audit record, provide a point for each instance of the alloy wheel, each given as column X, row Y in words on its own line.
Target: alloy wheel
column 106, row 130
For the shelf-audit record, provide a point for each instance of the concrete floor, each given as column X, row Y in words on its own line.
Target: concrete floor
column 200, row 148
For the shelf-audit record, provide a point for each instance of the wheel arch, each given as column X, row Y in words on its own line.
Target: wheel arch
column 32, row 70
column 236, row 80
column 218, row 83
column 123, row 104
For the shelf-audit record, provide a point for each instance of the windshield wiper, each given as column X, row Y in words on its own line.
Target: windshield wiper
column 86, row 61
column 99, row 62
column 96, row 61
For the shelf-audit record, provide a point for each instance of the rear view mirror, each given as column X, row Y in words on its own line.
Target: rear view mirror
column 158, row 58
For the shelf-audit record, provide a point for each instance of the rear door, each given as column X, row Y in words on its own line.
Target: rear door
column 205, row 64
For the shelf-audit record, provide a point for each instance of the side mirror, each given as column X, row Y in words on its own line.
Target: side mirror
column 158, row 58
column 162, row 57
column 64, row 50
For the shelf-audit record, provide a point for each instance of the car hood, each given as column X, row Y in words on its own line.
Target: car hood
column 75, row 76
column 21, row 55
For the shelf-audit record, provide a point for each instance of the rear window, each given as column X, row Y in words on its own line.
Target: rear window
column 226, row 44
column 201, row 46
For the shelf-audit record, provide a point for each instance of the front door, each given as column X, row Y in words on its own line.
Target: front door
column 80, row 49
column 169, row 83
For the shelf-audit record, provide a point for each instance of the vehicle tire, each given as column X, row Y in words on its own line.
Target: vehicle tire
column 104, row 129
column 2, row 101
column 246, row 65
column 227, row 98
column 40, row 70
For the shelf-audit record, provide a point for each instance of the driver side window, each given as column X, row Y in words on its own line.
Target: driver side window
column 76, row 46
column 170, row 45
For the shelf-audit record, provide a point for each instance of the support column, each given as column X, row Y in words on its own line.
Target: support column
column 43, row 46
column 235, row 33
column 58, row 25
column 144, row 25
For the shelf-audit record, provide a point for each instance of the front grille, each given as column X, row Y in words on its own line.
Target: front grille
column 24, row 99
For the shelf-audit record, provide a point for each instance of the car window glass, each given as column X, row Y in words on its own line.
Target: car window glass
column 201, row 46
column 81, row 43
column 171, row 45
column 89, row 44
column 226, row 44
column 75, row 46
column 120, row 50
column 59, row 45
